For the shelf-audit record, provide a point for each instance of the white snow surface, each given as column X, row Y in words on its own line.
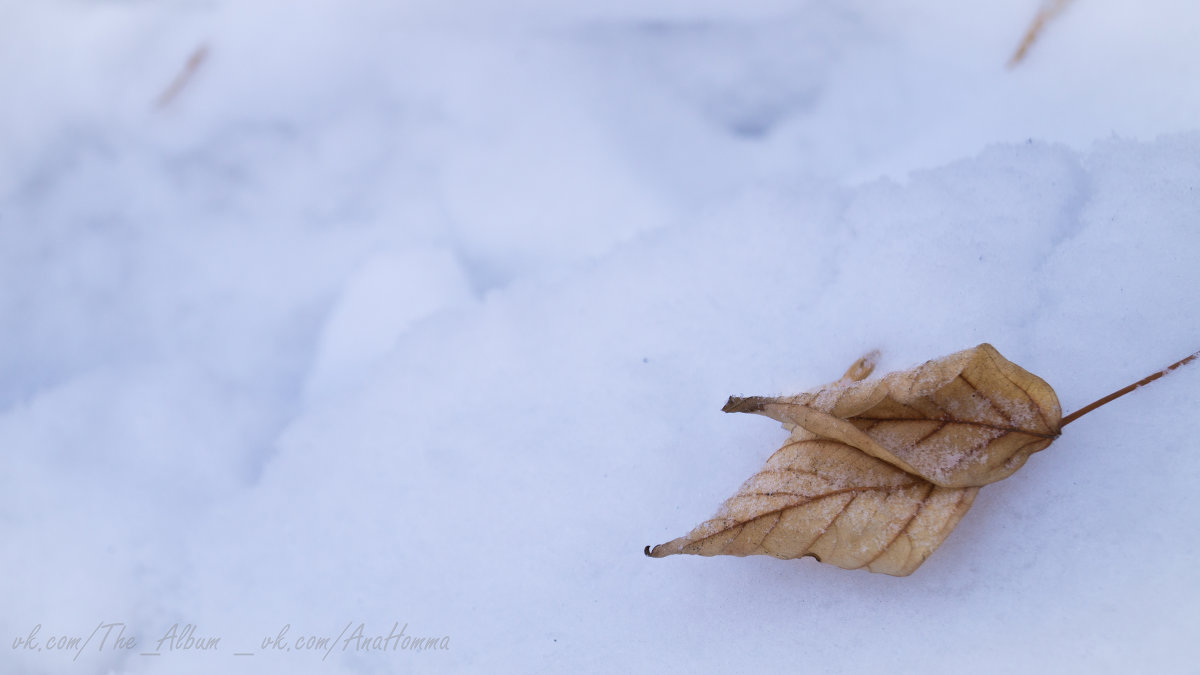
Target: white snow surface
column 421, row 314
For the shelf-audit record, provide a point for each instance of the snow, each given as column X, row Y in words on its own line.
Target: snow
column 420, row 316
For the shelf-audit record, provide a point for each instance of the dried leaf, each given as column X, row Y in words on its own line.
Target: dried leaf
column 825, row 499
column 964, row 420
column 876, row 474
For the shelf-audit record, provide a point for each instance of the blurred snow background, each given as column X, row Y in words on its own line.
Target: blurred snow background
column 424, row 312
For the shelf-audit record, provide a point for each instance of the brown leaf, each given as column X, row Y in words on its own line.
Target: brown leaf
column 964, row 420
column 877, row 474
column 825, row 499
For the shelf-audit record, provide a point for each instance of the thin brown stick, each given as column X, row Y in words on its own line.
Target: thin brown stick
column 1121, row 392
column 1052, row 9
column 181, row 80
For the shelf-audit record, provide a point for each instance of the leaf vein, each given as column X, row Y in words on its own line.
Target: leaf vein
column 908, row 523
column 1011, row 430
column 984, row 396
column 1025, row 391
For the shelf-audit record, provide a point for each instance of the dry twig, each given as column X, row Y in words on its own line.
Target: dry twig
column 1051, row 9
column 185, row 75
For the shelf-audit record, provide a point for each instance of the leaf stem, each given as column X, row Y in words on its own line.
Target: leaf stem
column 1121, row 392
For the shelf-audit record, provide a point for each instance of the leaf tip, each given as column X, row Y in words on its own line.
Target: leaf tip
column 673, row 547
column 746, row 404
column 862, row 368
